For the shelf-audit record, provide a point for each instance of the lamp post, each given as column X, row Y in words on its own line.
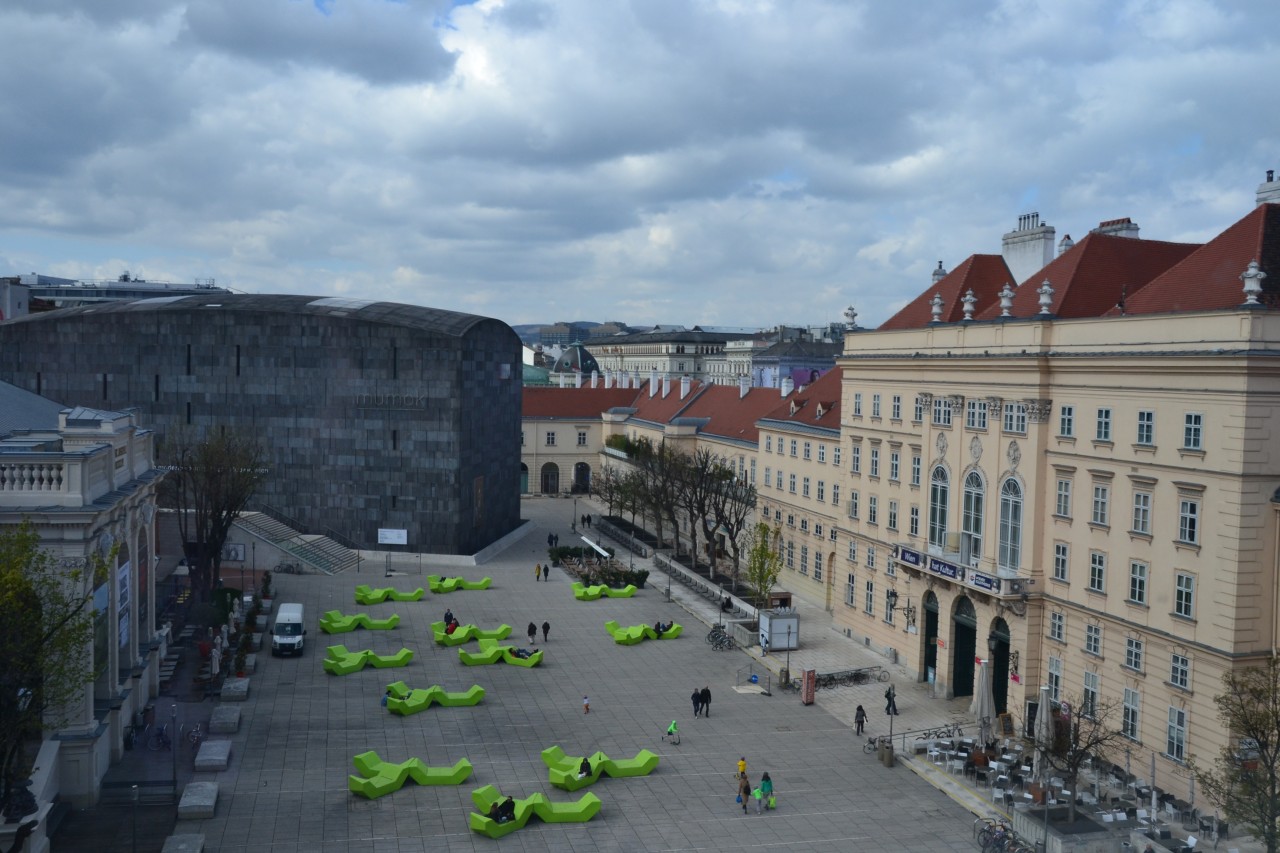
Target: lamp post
column 173, row 745
column 573, row 522
column 788, row 675
column 908, row 609
column 135, row 818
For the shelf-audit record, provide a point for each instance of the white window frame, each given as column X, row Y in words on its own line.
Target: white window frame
column 875, row 405
column 1131, row 716
column 1146, row 436
column 1139, row 573
column 1142, row 512
column 851, row 590
column 1097, row 572
column 1134, row 651
column 1180, row 671
column 1010, row 539
column 1089, row 697
column 807, row 451
column 1057, row 626
column 1054, row 679
column 1101, row 513
column 942, row 413
column 869, row 600
column 919, row 411
column 853, row 503
column 1093, row 639
column 835, row 494
column 975, row 414
column 895, row 465
column 1189, row 520
column 1061, row 561
column 916, row 466
column 913, row 521
column 855, row 461
column 836, row 452
column 1175, row 744
column 857, row 404
column 1067, row 421
column 822, row 491
column 1015, row 418
column 939, row 504
column 873, row 509
column 822, row 453
column 1102, row 427
column 550, row 439
column 1063, row 506
column 895, row 408
column 1184, row 595
column 893, row 515
column 1193, row 431
column 875, row 462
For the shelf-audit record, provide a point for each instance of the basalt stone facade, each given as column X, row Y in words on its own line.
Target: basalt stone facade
column 374, row 414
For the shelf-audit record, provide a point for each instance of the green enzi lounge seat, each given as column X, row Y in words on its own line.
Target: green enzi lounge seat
column 404, row 701
column 441, row 585
column 563, row 769
column 339, row 661
column 367, row 595
column 333, row 622
column 378, row 778
column 535, row 805
column 463, row 633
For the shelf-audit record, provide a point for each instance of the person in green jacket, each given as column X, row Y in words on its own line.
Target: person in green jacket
column 766, row 793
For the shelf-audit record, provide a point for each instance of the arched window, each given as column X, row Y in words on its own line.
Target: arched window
column 971, row 519
column 1010, row 525
column 939, row 493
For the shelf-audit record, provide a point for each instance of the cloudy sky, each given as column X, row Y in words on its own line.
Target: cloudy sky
column 732, row 162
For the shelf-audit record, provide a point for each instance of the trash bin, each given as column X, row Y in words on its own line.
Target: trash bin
column 886, row 753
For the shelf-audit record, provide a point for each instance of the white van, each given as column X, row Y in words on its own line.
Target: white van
column 288, row 632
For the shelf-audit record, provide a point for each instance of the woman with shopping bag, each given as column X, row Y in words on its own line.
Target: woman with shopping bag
column 766, row 793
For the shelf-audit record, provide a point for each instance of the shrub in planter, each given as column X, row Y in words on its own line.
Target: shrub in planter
column 242, row 653
column 265, row 590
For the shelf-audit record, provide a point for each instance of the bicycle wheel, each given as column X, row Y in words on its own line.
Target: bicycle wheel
column 156, row 741
column 869, row 747
column 884, row 675
column 985, row 835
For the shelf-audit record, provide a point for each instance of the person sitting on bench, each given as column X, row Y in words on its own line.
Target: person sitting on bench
column 521, row 653
column 726, row 605
column 584, row 770
column 507, row 811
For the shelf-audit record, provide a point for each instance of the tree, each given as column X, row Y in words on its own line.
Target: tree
column 1083, row 732
column 46, row 632
column 764, row 559
column 1244, row 779
column 211, row 481
column 608, row 486
column 695, row 482
column 732, row 503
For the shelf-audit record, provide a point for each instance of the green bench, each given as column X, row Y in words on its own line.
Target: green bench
column 404, row 701
column 492, row 652
column 366, row 595
column 463, row 633
column 633, row 634
column 441, row 585
column 378, row 778
column 534, row 805
column 562, row 770
column 339, row 661
column 333, row 622
column 593, row 593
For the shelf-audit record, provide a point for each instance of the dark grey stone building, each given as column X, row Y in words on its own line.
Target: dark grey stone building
column 374, row 414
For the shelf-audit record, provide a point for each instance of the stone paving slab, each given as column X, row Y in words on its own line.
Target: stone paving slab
column 225, row 720
column 235, row 690
column 214, row 755
column 191, row 842
column 199, row 800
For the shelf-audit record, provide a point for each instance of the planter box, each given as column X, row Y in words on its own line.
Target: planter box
column 744, row 633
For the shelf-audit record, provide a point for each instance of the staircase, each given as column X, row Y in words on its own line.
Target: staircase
column 316, row 553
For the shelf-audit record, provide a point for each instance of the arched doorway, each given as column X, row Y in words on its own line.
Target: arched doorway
column 582, row 478
column 524, row 479
column 930, row 637
column 998, row 650
column 550, row 479
column 965, row 623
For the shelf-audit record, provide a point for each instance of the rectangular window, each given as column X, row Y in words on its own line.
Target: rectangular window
column 1176, row 742
column 918, row 414
column 975, row 414
column 853, row 504
column 1184, row 595
column 913, row 521
column 753, row 472
column 875, row 405
column 895, row 407
column 1098, row 572
column 1061, row 561
column 1131, row 718
column 791, row 554
column 893, row 515
column 895, row 465
column 855, row 464
column 1180, row 671
column 871, row 556
column 551, row 439
column 835, row 455
column 1133, row 653
column 1142, row 512
column 941, row 411
column 1055, row 678
column 1063, row 505
column 915, row 470
column 857, row 404
column 808, row 450
column 888, row 607
column 1089, row 701
column 1057, row 627
column 1102, row 431
column 1193, row 431
column 1101, row 505
column 768, row 444
column 817, row 566
column 850, row 590
column 791, row 483
column 793, row 448
column 873, row 509
column 822, row 491
column 768, row 476
column 1189, row 521
column 1093, row 639
column 1067, row 421
column 817, row 530
column 804, row 559
column 582, row 438
column 853, row 551
column 875, row 462
column 822, row 453
column 1137, row 582
column 1015, row 418
column 832, row 533
column 869, row 602
column 804, row 487
column 835, row 494
column 1146, row 428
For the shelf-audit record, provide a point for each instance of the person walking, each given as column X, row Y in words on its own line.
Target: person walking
column 697, row 702
column 546, row 629
column 533, row 633
column 766, row 793
column 744, row 791
column 537, row 572
column 891, row 701
column 586, row 705
column 742, row 766
column 551, row 540
column 706, row 701
column 859, row 720
column 546, row 573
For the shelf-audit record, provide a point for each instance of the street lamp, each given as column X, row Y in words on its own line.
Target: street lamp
column 135, row 819
column 573, row 522
column 173, row 744
column 908, row 609
column 788, row 673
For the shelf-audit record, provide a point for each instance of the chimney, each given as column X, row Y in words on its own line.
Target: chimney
column 608, row 379
column 684, row 387
column 1125, row 227
column 1027, row 249
column 653, row 383
column 595, row 378
column 561, row 376
column 939, row 274
column 1065, row 244
column 666, row 386
column 635, row 379
column 1269, row 190
column 744, row 385
column 577, row 379
column 788, row 385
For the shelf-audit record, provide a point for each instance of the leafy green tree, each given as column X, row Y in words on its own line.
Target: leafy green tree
column 1244, row 779
column 46, row 632
column 764, row 559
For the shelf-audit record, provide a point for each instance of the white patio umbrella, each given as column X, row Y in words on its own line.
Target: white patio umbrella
column 1043, row 735
column 983, row 706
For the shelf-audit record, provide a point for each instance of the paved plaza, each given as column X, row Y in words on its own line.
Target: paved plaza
column 286, row 787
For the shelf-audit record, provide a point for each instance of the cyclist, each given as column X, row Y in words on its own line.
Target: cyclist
column 673, row 732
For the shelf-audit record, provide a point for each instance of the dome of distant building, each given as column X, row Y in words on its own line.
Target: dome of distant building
column 576, row 359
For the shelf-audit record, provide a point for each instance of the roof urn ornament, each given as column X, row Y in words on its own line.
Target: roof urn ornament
column 1046, row 297
column 852, row 316
column 1252, row 278
column 935, row 306
column 968, row 300
column 1006, row 300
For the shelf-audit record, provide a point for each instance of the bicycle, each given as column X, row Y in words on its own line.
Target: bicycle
column 716, row 633
column 160, row 739
column 724, row 643
column 195, row 736
column 873, row 743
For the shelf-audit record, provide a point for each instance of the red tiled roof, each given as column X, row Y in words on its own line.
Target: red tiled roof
column 984, row 274
column 731, row 415
column 1209, row 278
column 823, row 394
column 574, row 403
column 1093, row 275
column 661, row 409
